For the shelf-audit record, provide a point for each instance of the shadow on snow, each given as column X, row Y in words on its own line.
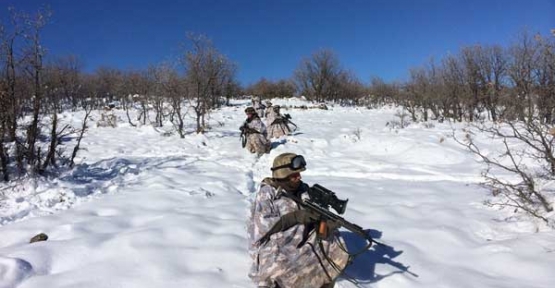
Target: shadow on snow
column 100, row 174
column 362, row 269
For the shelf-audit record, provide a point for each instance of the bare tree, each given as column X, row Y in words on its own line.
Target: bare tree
column 4, row 160
column 204, row 67
column 453, row 79
column 316, row 76
column 267, row 89
column 10, row 63
column 347, row 88
column 3, row 109
column 158, row 77
column 57, row 85
column 263, row 88
column 70, row 82
column 139, row 87
column 523, row 55
column 128, row 92
column 35, row 55
column 545, row 78
column 474, row 98
column 177, row 92
column 223, row 82
column 107, row 82
column 88, row 107
column 381, row 93
column 232, row 88
column 416, row 91
column 285, row 88
column 492, row 67
column 536, row 144
column 51, row 84
column 12, row 58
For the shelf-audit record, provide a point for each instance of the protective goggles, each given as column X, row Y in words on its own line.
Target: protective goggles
column 296, row 163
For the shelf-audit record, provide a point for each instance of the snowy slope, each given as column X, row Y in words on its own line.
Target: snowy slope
column 146, row 210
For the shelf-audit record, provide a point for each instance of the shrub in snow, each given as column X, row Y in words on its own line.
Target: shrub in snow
column 394, row 124
column 528, row 154
column 401, row 122
column 357, row 133
column 428, row 125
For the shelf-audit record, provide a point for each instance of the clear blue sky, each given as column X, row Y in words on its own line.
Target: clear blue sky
column 268, row 38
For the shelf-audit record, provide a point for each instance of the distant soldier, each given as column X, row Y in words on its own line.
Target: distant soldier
column 258, row 106
column 268, row 112
column 107, row 117
column 278, row 124
column 253, row 133
column 296, row 257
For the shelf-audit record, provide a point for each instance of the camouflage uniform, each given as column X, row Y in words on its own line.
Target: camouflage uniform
column 270, row 116
column 277, row 126
column 257, row 142
column 269, row 113
column 279, row 260
column 258, row 106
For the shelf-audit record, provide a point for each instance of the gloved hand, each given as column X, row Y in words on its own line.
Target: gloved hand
column 297, row 217
column 289, row 220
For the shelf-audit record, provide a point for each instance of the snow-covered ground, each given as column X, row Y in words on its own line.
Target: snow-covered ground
column 146, row 210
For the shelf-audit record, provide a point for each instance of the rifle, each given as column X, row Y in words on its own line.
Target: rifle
column 243, row 136
column 245, row 130
column 320, row 200
column 317, row 204
column 288, row 119
column 285, row 119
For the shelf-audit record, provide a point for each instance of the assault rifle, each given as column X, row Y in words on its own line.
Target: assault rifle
column 285, row 119
column 320, row 200
column 243, row 136
column 317, row 205
column 245, row 131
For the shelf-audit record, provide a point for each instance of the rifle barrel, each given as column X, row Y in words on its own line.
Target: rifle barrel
column 331, row 216
column 344, row 223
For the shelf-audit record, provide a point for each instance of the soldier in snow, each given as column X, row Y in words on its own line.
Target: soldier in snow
column 277, row 123
column 258, row 106
column 253, row 133
column 292, row 258
column 268, row 113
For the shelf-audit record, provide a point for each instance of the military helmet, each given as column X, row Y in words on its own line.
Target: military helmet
column 276, row 107
column 250, row 110
column 268, row 104
column 286, row 164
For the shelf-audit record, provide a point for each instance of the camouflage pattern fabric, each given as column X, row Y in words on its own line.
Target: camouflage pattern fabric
column 258, row 107
column 278, row 128
column 279, row 260
column 257, row 142
column 270, row 116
